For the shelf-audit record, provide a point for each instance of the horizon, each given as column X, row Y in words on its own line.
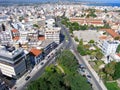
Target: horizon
column 32, row 1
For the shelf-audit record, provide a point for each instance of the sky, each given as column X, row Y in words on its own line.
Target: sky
column 103, row 1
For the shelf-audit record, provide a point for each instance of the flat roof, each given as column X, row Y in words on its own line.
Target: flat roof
column 46, row 42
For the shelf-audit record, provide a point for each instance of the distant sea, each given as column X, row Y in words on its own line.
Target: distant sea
column 104, row 4
column 55, row 1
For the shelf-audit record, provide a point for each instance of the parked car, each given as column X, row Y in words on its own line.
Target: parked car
column 15, row 87
column 41, row 63
column 82, row 66
column 88, row 81
column 48, row 56
column 88, row 76
column 82, row 71
column 28, row 77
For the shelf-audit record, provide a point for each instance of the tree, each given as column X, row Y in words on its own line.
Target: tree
column 118, row 49
column 117, row 71
column 117, row 38
column 35, row 25
column 99, row 55
column 91, row 42
column 76, row 39
column 21, row 18
column 81, row 42
column 105, row 10
column 106, row 25
column 93, row 54
column 81, row 50
column 110, row 69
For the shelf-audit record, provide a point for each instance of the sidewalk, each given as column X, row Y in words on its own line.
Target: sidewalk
column 95, row 75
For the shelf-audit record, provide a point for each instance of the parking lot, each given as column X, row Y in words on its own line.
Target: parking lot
column 87, row 35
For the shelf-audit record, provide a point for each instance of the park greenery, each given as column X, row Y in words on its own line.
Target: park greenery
column 85, row 50
column 91, row 13
column 118, row 49
column 66, row 78
column 110, row 72
column 36, row 25
column 112, row 85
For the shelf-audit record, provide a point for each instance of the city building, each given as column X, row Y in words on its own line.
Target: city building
column 5, row 37
column 113, row 57
column 47, row 46
column 15, row 34
column 12, row 61
column 50, row 23
column 109, row 47
column 53, row 34
column 35, row 56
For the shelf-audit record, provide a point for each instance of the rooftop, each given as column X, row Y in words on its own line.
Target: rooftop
column 113, row 42
column 53, row 29
column 42, row 38
column 10, row 54
column 112, row 33
column 14, row 30
column 46, row 42
column 35, row 51
column 103, row 37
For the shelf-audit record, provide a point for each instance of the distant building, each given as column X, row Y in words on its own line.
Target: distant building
column 12, row 61
column 5, row 37
column 82, row 21
column 15, row 34
column 53, row 34
column 50, row 23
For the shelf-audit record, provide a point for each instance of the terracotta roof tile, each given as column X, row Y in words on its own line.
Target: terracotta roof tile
column 14, row 30
column 112, row 33
column 35, row 51
column 16, row 38
column 118, row 54
column 42, row 38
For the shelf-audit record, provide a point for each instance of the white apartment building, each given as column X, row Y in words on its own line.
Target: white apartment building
column 5, row 37
column 53, row 34
column 50, row 23
column 12, row 62
column 109, row 47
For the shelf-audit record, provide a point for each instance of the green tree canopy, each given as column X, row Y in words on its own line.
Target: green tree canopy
column 118, row 49
column 99, row 55
column 117, row 71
